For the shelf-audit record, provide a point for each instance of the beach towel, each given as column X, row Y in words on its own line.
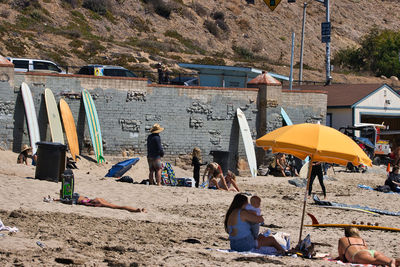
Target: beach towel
column 328, row 203
column 7, row 228
column 282, row 238
column 370, row 188
column 164, row 177
column 121, row 168
column 347, row 263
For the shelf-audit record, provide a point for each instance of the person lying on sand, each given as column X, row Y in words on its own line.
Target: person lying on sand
column 352, row 248
column 237, row 225
column 100, row 202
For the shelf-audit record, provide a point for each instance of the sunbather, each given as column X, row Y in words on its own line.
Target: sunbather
column 237, row 225
column 100, row 202
column 352, row 248
column 393, row 180
column 230, row 179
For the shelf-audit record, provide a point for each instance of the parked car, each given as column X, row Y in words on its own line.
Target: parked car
column 187, row 81
column 106, row 70
column 38, row 65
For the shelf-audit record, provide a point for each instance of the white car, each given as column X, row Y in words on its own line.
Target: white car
column 37, row 65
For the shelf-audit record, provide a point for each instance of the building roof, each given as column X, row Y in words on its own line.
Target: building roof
column 215, row 69
column 265, row 78
column 343, row 95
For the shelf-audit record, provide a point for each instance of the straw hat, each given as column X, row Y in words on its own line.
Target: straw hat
column 156, row 128
column 25, row 147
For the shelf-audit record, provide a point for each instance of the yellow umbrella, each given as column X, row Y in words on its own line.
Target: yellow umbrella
column 320, row 143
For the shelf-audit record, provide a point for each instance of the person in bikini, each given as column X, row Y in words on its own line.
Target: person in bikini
column 97, row 202
column 230, row 179
column 213, row 173
column 352, row 248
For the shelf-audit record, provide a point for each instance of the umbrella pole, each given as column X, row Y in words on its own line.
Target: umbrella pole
column 305, row 197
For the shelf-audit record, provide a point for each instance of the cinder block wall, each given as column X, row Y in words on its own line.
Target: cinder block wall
column 128, row 107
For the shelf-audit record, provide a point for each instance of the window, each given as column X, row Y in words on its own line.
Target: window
column 40, row 65
column 329, row 119
column 21, row 64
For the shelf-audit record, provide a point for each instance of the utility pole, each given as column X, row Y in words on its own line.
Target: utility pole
column 302, row 43
column 291, row 64
column 326, row 38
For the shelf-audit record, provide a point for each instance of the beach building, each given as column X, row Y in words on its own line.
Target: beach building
column 227, row 76
column 351, row 104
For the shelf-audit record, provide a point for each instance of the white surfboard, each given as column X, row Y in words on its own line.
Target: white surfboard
column 248, row 142
column 304, row 170
column 31, row 118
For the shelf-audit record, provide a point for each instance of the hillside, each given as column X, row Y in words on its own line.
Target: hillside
column 139, row 33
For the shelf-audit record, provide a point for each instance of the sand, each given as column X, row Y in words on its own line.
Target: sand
column 93, row 236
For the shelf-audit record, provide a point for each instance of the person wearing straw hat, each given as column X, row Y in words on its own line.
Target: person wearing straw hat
column 24, row 155
column 154, row 153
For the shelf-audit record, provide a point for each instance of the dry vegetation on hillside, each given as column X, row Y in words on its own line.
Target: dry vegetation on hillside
column 138, row 33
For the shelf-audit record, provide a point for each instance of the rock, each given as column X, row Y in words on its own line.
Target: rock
column 394, row 78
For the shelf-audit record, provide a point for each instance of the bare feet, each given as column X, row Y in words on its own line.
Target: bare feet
column 143, row 210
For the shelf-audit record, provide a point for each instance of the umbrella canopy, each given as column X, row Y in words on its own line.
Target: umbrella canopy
column 321, row 143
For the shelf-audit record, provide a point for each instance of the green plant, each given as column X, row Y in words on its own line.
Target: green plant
column 185, row 41
column 72, row 3
column 209, row 61
column 282, row 38
column 76, row 43
column 242, row 52
column 244, row 24
column 99, row 6
column 212, row 27
column 199, row 9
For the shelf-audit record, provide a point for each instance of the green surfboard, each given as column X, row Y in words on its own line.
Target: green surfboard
column 94, row 125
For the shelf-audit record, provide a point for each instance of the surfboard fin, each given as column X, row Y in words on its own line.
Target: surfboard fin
column 314, row 220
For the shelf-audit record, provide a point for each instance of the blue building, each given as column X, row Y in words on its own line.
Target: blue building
column 226, row 76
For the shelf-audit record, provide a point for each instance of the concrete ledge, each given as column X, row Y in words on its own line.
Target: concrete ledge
column 204, row 87
column 79, row 76
column 305, row 91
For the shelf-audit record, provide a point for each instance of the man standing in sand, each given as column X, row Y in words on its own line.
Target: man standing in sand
column 154, row 153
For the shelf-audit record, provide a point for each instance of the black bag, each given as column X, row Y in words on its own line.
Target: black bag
column 383, row 188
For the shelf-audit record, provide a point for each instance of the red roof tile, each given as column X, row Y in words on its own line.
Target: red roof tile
column 265, row 78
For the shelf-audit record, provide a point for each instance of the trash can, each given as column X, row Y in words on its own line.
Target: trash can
column 222, row 158
column 51, row 161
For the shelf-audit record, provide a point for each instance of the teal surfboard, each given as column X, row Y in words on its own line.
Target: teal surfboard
column 94, row 125
column 285, row 117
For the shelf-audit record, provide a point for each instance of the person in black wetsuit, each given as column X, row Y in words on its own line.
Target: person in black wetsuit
column 196, row 163
column 317, row 171
column 393, row 180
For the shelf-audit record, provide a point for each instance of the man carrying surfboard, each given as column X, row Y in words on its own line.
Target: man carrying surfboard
column 154, row 153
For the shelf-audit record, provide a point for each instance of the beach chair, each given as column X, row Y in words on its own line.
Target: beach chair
column 171, row 174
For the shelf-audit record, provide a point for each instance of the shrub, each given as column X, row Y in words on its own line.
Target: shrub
column 72, row 3
column 222, row 25
column 161, row 8
column 99, row 6
column 209, row 61
column 212, row 27
column 244, row 24
column 186, row 42
column 5, row 13
column 242, row 52
column 218, row 15
column 199, row 9
column 23, row 4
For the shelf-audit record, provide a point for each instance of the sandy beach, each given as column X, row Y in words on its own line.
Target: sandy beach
column 94, row 236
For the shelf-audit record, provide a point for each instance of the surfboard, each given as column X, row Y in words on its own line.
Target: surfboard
column 285, row 117
column 315, row 223
column 69, row 128
column 248, row 142
column 53, row 116
column 94, row 125
column 30, row 112
column 304, row 170
column 349, row 208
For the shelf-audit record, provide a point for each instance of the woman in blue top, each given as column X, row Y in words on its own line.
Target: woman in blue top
column 237, row 225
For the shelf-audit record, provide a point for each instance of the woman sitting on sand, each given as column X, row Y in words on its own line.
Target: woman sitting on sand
column 230, row 179
column 237, row 225
column 352, row 248
column 98, row 202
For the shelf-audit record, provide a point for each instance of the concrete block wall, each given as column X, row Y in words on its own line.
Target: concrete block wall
column 128, row 107
column 305, row 105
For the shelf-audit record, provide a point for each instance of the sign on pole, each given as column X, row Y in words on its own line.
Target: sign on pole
column 272, row 3
column 325, row 32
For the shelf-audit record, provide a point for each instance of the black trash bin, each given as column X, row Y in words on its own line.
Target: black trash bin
column 51, row 161
column 222, row 158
